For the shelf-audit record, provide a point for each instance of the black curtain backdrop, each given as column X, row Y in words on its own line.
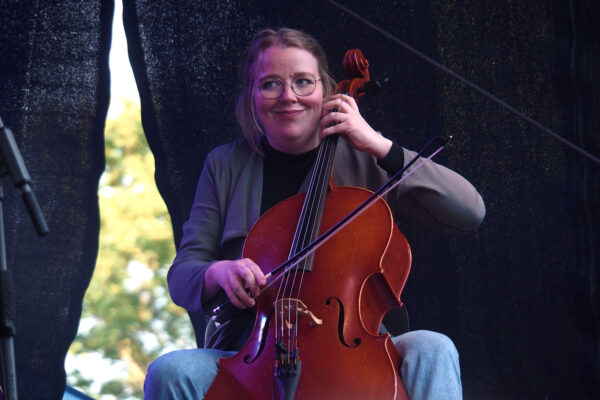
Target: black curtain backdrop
column 519, row 297
column 54, row 91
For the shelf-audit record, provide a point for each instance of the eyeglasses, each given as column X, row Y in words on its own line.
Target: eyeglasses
column 303, row 85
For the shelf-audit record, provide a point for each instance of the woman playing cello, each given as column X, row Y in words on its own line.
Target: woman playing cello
column 285, row 109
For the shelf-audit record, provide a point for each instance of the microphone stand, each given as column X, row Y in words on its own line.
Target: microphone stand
column 12, row 163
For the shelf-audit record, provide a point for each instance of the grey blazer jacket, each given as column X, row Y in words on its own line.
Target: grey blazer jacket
column 228, row 199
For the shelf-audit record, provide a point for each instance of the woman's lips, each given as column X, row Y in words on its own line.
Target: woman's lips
column 289, row 113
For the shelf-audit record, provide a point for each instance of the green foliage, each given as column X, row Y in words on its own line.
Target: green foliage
column 129, row 317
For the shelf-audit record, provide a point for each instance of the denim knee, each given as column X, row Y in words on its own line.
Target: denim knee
column 425, row 345
column 182, row 374
column 430, row 368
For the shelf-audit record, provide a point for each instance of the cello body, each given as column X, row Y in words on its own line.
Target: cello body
column 356, row 277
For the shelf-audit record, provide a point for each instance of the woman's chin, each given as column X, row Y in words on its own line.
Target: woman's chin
column 291, row 143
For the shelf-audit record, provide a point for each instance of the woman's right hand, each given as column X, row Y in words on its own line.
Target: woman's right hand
column 241, row 279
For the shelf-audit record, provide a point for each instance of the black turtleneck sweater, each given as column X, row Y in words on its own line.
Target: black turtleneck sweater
column 284, row 173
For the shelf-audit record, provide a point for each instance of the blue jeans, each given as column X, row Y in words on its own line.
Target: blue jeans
column 429, row 369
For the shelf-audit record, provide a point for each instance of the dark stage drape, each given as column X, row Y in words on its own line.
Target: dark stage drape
column 54, row 96
column 519, row 297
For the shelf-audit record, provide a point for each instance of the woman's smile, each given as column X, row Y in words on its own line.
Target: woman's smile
column 289, row 113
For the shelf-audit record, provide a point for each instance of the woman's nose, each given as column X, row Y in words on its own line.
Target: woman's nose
column 287, row 93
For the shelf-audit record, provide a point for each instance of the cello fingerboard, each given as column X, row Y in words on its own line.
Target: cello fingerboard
column 314, row 202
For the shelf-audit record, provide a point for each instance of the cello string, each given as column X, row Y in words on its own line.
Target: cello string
column 306, row 216
column 314, row 200
column 286, row 288
column 300, row 238
column 468, row 83
column 328, row 151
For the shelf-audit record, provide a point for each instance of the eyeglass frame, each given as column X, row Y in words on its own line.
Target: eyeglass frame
column 283, row 84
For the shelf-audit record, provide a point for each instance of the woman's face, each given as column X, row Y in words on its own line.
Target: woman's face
column 291, row 122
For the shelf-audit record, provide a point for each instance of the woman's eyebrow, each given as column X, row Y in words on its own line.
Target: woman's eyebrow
column 276, row 76
column 270, row 76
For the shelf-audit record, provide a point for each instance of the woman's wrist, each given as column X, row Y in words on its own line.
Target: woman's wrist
column 381, row 147
column 211, row 287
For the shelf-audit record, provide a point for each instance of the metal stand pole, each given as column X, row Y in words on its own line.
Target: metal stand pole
column 12, row 163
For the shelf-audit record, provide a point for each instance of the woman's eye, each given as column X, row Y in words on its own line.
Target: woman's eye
column 270, row 84
column 304, row 82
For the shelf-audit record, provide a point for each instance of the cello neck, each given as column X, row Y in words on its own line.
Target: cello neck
column 312, row 210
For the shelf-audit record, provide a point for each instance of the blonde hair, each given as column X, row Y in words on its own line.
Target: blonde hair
column 285, row 37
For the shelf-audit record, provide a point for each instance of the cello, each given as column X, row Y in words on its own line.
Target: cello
column 316, row 332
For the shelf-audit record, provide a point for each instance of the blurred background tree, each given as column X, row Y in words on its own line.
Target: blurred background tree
column 128, row 317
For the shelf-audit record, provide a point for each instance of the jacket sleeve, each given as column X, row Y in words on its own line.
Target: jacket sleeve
column 437, row 197
column 200, row 246
column 429, row 195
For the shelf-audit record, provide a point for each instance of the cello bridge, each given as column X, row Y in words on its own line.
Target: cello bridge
column 288, row 309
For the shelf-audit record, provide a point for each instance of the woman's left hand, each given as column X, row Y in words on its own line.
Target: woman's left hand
column 341, row 112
